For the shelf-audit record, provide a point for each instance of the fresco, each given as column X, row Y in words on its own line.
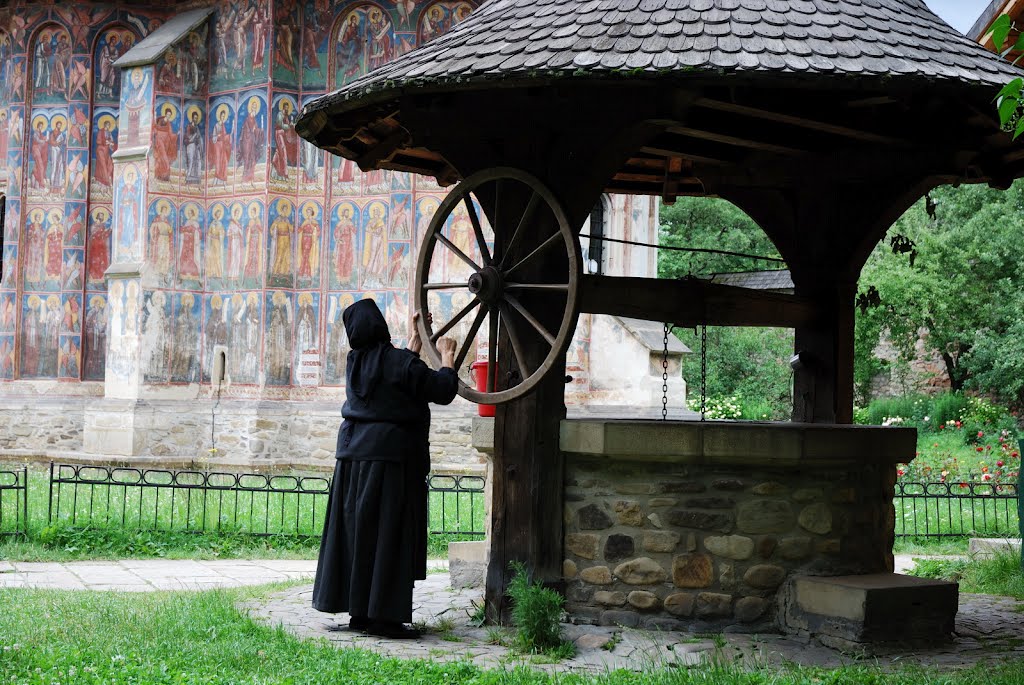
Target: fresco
column 344, row 241
column 193, row 148
column 8, row 312
column 215, row 260
column 47, row 161
column 311, row 163
column 104, row 144
column 40, row 335
column 156, row 319
column 7, row 348
column 186, row 310
column 308, row 237
column 440, row 17
column 363, row 39
column 129, row 194
column 286, row 43
column 9, row 277
column 221, row 145
column 317, row 17
column 373, row 261
column 240, row 42
column 110, row 45
column 189, row 246
column 98, row 249
column 277, row 357
column 401, row 216
column 160, row 250
column 214, row 331
column 43, row 250
column 252, row 245
column 12, row 220
column 280, row 248
column 136, row 106
column 94, row 338
column 51, row 62
column 73, row 265
column 244, row 336
column 166, row 144
column 346, row 177
column 284, row 145
column 307, row 362
column 74, row 222
column 251, row 141
column 336, row 352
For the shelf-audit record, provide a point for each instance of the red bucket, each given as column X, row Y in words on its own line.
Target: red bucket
column 479, row 370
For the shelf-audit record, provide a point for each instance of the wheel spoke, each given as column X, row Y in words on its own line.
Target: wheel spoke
column 513, row 336
column 492, row 348
column 477, row 229
column 531, row 207
column 455, row 320
column 537, row 252
column 471, row 338
column 556, row 287
column 494, row 223
column 443, row 286
column 458, row 253
column 531, row 319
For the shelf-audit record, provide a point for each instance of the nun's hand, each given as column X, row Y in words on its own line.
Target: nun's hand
column 415, row 343
column 447, row 348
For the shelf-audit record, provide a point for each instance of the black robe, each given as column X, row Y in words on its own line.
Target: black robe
column 374, row 542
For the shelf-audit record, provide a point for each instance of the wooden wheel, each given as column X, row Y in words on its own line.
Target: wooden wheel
column 489, row 286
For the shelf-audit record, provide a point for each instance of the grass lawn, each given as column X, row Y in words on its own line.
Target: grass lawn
column 49, row 637
column 999, row 575
column 109, row 525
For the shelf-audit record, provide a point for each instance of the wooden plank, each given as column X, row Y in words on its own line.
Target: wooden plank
column 802, row 122
column 692, row 302
column 736, row 141
column 383, row 149
column 683, row 154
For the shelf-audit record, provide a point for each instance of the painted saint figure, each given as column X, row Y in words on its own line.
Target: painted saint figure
column 161, row 237
column 105, row 145
column 281, row 238
column 375, row 249
column 250, row 136
column 165, row 143
column 285, row 141
column 253, row 244
column 53, row 265
column 188, row 252
column 309, row 244
column 215, row 245
column 220, row 147
column 98, row 252
column 194, row 147
column 236, row 242
column 345, row 235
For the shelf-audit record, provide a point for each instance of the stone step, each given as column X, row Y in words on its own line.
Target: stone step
column 988, row 547
column 854, row 611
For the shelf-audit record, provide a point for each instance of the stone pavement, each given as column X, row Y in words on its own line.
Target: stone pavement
column 988, row 629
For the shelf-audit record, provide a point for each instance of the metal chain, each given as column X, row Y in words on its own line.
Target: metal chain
column 664, row 375
column 703, row 371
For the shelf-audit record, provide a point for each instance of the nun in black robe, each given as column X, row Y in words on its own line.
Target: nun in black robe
column 374, row 543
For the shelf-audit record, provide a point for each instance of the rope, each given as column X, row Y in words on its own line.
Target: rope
column 703, row 250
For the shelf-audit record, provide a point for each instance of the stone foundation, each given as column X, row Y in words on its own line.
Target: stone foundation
column 698, row 525
column 250, row 434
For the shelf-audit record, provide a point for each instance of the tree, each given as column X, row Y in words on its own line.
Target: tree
column 961, row 284
column 750, row 363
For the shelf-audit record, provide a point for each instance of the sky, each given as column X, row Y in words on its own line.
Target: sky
column 960, row 14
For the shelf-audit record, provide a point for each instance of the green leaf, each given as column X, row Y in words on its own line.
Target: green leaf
column 1020, row 129
column 1006, row 109
column 1011, row 89
column 1000, row 30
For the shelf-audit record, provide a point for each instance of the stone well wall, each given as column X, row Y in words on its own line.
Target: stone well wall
column 700, row 525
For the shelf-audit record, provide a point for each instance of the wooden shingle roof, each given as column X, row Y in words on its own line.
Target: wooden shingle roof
column 540, row 39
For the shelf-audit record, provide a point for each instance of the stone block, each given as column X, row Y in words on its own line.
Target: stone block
column 682, row 487
column 627, row 619
column 794, row 548
column 662, row 502
column 816, row 518
column 655, row 520
column 643, row 600
column 680, row 603
column 771, row 489
column 467, row 563
column 628, row 513
column 641, row 571
column 569, row 569
column 749, row 609
column 701, row 520
column 608, row 598
column 592, row 517
column 765, row 516
column 764, row 576
column 596, row 575
column 880, row 607
column 582, row 544
column 807, row 495
column 736, row 547
column 713, row 604
column 987, row 548
column 660, row 541
column 692, row 571
column 618, row 547
column 731, row 484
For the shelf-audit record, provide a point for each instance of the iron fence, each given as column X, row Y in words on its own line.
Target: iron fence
column 936, row 510
column 221, row 502
column 14, row 502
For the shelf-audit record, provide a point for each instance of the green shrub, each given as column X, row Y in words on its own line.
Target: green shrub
column 537, row 613
column 758, row 410
column 718, row 407
column 947, row 407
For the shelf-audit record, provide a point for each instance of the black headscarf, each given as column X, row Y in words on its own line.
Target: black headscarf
column 370, row 340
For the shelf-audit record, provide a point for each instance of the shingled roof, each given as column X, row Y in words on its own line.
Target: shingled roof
column 532, row 40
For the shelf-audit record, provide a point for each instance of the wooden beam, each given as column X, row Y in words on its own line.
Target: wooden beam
column 702, row 159
column 802, row 122
column 736, row 141
column 692, row 302
column 383, row 149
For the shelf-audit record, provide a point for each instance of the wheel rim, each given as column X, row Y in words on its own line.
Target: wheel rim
column 493, row 289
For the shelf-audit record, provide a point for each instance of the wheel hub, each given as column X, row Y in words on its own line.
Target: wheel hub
column 486, row 284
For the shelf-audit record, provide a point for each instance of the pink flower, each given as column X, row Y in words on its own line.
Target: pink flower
column 986, row 476
column 981, row 449
column 981, row 434
column 900, row 472
column 999, row 463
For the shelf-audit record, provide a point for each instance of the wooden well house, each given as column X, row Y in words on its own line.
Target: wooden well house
column 824, row 120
